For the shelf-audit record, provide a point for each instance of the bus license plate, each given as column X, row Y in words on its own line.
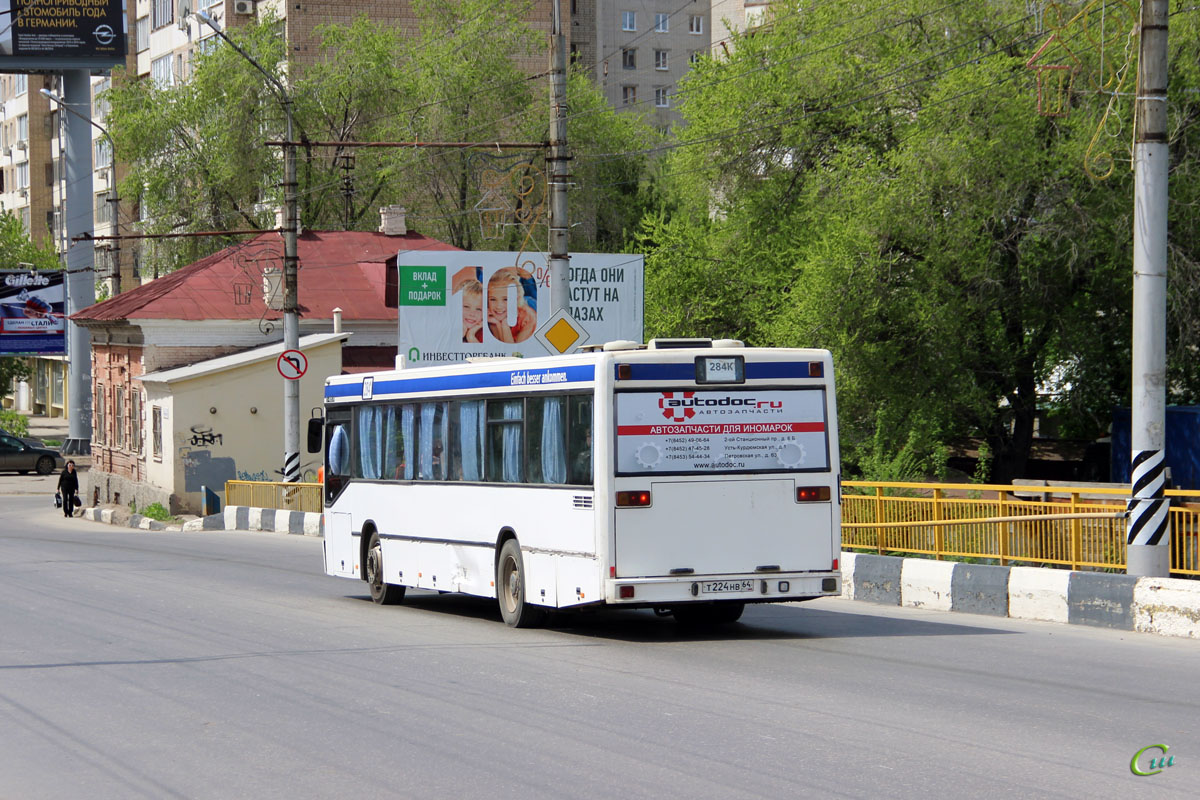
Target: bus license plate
column 711, row 587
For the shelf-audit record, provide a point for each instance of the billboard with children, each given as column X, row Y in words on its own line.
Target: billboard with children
column 455, row 305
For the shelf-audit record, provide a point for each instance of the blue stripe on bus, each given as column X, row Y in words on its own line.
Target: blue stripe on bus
column 546, row 376
column 755, row 370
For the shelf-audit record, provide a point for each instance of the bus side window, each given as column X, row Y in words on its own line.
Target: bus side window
column 338, row 452
column 432, row 438
column 468, row 429
column 505, row 459
column 546, row 442
column 579, row 441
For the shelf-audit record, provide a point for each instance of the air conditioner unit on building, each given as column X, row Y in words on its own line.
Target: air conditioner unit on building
column 23, row 192
column 8, row 152
column 22, row 144
column 243, row 6
column 102, row 174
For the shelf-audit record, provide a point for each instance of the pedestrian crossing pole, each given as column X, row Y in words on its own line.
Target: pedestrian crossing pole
column 1149, row 536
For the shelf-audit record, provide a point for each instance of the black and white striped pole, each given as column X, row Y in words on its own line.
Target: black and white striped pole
column 1149, row 537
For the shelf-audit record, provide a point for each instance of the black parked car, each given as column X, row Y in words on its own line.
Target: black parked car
column 17, row 456
column 32, row 441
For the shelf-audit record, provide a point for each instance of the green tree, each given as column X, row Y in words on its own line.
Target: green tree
column 877, row 179
column 198, row 159
column 18, row 251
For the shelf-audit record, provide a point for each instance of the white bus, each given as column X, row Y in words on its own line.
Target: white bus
column 688, row 476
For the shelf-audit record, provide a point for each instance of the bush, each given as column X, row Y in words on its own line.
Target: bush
column 156, row 511
column 14, row 422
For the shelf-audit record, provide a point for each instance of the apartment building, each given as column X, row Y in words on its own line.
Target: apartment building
column 639, row 50
column 735, row 15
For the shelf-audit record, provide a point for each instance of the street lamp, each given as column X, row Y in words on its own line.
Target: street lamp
column 291, row 259
column 113, row 200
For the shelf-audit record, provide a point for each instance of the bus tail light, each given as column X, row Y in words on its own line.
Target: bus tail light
column 639, row 498
column 835, row 565
column 816, row 369
column 811, row 494
column 625, row 592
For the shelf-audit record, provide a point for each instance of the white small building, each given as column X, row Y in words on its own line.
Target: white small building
column 209, row 421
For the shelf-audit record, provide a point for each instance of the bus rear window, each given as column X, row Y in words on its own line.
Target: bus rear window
column 724, row 431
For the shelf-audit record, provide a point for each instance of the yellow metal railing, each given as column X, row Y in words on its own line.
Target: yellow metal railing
column 1080, row 527
column 264, row 494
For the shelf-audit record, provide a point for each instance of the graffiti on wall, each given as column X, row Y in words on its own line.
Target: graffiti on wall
column 203, row 436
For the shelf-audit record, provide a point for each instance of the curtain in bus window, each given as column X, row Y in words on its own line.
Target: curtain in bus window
column 339, row 451
column 470, row 438
column 554, row 456
column 407, row 431
column 390, row 451
column 369, row 443
column 441, row 455
column 511, row 461
column 433, row 431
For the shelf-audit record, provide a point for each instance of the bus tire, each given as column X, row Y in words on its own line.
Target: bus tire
column 510, row 589
column 705, row 614
column 385, row 594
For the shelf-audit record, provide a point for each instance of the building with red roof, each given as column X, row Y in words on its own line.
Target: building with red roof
column 229, row 302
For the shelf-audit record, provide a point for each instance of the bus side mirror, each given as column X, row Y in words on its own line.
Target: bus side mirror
column 316, row 431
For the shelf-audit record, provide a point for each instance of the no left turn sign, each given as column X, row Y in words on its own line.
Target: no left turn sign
column 292, row 364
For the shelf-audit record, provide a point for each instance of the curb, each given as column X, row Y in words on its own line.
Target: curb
column 105, row 515
column 1163, row 606
column 249, row 518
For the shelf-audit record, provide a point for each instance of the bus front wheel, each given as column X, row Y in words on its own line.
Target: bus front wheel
column 700, row 614
column 510, row 589
column 385, row 594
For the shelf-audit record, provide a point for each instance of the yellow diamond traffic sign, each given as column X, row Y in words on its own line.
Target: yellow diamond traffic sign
column 561, row 333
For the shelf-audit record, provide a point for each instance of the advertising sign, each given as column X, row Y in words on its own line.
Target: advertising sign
column 61, row 34
column 455, row 305
column 32, row 306
column 742, row 430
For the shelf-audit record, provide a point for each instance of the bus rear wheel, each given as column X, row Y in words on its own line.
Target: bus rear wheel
column 510, row 589
column 704, row 614
column 385, row 594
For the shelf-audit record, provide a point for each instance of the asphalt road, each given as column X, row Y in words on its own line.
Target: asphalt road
column 225, row 665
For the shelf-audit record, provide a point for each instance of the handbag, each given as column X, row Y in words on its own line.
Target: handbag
column 58, row 499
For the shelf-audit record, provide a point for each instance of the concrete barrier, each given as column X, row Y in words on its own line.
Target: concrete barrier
column 979, row 589
column 1101, row 599
column 1167, row 606
column 925, row 583
column 877, row 579
column 1037, row 593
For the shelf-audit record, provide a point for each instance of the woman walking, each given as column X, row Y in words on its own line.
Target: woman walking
column 68, row 486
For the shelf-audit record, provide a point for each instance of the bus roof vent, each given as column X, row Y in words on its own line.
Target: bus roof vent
column 678, row 344
column 621, row 344
column 728, row 343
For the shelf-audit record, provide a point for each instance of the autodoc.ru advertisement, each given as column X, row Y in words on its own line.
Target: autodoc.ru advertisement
column 721, row 431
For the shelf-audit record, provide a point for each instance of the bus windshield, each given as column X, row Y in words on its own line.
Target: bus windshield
column 722, row 431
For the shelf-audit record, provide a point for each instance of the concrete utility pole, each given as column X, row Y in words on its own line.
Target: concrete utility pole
column 560, row 288
column 1149, row 524
column 81, row 282
column 291, row 263
column 113, row 200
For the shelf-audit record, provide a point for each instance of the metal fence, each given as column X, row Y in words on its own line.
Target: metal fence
column 1079, row 527
column 264, row 494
